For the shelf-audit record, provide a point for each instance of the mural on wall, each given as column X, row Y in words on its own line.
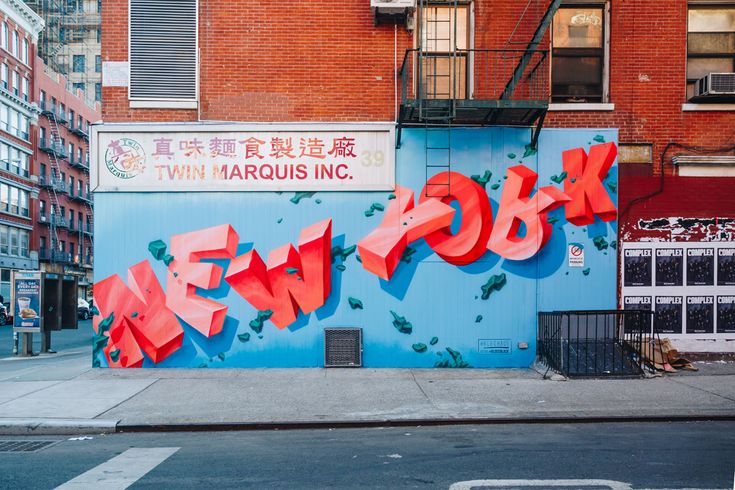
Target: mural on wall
column 451, row 280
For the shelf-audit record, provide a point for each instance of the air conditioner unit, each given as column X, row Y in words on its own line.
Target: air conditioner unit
column 392, row 7
column 715, row 85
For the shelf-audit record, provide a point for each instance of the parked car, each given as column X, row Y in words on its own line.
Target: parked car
column 83, row 309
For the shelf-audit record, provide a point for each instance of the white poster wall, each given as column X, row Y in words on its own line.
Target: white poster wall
column 690, row 285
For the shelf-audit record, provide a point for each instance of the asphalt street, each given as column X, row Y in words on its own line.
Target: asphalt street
column 628, row 455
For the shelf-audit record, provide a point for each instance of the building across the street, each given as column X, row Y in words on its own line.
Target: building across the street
column 409, row 183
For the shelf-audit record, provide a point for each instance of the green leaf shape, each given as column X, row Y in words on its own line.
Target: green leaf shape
column 167, row 259
column 434, row 340
column 279, row 220
column 377, row 206
column 134, row 314
column 291, row 270
column 407, row 253
column 369, row 212
column 341, row 267
column 614, row 244
column 298, row 196
column 484, row 179
column 530, row 151
column 157, row 248
column 511, row 156
column 401, row 324
column 586, row 271
column 243, row 337
column 613, row 186
column 391, row 197
column 558, row 179
column 318, row 201
column 552, row 220
column 115, row 355
column 221, row 356
column 599, row 138
column 419, row 347
column 495, row 283
column 495, row 187
column 478, row 319
column 355, row 303
column 600, row 242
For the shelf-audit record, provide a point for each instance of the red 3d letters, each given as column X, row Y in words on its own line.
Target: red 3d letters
column 140, row 320
column 291, row 280
column 186, row 273
column 584, row 184
column 517, row 207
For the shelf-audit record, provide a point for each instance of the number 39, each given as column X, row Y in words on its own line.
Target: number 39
column 372, row 159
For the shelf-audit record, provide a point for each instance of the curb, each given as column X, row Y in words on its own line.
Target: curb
column 35, row 426
column 358, row 424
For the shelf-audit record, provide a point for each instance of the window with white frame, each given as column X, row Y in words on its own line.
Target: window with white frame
column 578, row 55
column 4, row 75
column 710, row 45
column 163, row 50
column 26, row 51
column 4, row 40
column 16, row 83
column 444, row 42
column 24, row 89
column 16, row 44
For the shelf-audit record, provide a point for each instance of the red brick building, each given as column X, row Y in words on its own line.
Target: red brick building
column 19, row 32
column 64, row 213
column 643, row 67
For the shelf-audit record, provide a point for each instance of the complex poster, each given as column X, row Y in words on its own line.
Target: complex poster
column 692, row 285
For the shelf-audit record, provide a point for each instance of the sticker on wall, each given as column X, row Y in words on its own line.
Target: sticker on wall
column 726, row 267
column 637, row 263
column 700, row 314
column 669, row 267
column 576, row 255
column 668, row 314
column 700, row 267
column 726, row 314
column 638, row 303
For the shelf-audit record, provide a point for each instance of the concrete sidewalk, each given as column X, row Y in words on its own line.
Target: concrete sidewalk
column 77, row 399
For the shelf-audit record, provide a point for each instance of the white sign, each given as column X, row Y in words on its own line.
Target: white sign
column 115, row 73
column 236, row 157
column 576, row 255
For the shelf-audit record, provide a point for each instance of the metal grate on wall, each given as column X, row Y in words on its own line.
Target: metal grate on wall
column 163, row 49
column 342, row 347
column 17, row 446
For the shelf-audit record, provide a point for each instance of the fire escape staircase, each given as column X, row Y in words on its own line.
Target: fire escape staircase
column 503, row 87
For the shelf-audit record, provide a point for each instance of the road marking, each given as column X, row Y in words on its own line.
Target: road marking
column 121, row 471
column 468, row 485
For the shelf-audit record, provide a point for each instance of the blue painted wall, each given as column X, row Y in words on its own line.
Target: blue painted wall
column 439, row 299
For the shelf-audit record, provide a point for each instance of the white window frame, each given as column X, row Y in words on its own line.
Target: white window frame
column 16, row 44
column 606, row 104
column 5, row 34
column 26, row 51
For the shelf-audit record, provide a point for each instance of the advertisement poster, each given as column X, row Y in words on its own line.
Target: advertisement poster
column 700, row 314
column 700, row 267
column 27, row 302
column 669, row 267
column 726, row 314
column 726, row 267
column 638, row 303
column 668, row 314
column 637, row 263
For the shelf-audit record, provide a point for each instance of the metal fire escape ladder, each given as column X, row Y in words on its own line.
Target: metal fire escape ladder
column 438, row 117
column 525, row 60
column 55, row 177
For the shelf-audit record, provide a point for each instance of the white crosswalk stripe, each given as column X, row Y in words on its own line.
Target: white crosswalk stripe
column 121, row 471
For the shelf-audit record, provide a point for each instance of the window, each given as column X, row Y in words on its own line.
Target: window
column 26, row 51
column 42, row 207
column 14, row 243
column 14, row 198
column 24, row 89
column 71, row 188
column 97, row 92
column 163, row 50
column 79, row 86
column 99, row 35
column 24, row 203
column 4, row 197
column 4, row 40
column 444, row 76
column 80, row 190
column 71, row 249
column 16, row 44
column 43, row 170
column 43, row 244
column 4, row 76
column 4, row 240
column 99, row 6
column 62, row 246
column 71, row 218
column 578, row 54
column 710, row 43
column 16, row 83
column 98, row 63
column 78, row 63
column 24, row 241
column 71, row 151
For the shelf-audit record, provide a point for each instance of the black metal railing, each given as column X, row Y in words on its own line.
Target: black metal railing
column 481, row 74
column 47, row 255
column 595, row 343
column 52, row 147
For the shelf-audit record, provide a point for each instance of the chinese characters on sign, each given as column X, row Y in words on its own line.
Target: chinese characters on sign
column 246, row 160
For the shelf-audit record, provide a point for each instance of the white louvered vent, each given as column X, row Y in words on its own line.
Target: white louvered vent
column 163, row 49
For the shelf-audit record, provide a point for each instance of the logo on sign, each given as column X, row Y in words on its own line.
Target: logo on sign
column 124, row 158
column 576, row 255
